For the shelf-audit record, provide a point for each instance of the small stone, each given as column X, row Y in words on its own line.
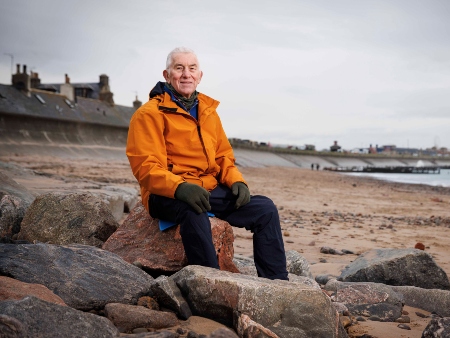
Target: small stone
column 421, row 315
column 313, row 243
column 403, row 319
column 403, row 326
column 360, row 319
column 322, row 260
column 286, row 233
column 419, row 246
column 404, row 312
column 140, row 330
column 345, row 321
column 192, row 334
column 347, row 252
column 374, row 318
column 180, row 330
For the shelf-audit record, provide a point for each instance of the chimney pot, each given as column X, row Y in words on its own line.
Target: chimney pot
column 24, row 69
column 67, row 78
column 18, row 68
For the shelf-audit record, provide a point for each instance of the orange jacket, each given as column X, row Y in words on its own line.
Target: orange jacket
column 166, row 146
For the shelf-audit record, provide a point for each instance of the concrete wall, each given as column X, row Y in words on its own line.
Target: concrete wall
column 40, row 136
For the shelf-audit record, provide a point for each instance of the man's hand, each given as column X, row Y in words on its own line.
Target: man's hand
column 240, row 190
column 194, row 195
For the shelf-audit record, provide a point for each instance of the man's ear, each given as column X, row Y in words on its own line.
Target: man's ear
column 200, row 77
column 166, row 75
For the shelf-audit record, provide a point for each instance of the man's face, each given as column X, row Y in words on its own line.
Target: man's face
column 184, row 73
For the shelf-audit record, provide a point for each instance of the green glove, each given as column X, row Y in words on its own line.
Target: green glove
column 194, row 195
column 240, row 190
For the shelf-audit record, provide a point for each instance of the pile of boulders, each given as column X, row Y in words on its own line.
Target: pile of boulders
column 67, row 269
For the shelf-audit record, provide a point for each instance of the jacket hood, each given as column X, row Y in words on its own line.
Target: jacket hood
column 157, row 90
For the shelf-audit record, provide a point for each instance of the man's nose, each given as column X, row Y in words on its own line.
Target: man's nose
column 186, row 72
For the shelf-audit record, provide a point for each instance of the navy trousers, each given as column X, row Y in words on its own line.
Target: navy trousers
column 260, row 216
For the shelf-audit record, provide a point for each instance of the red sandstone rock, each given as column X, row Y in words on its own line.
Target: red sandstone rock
column 11, row 288
column 419, row 246
column 139, row 239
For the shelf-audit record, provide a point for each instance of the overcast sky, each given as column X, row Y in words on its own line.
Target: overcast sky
column 287, row 71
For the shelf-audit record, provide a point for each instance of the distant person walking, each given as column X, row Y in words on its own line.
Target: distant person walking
column 317, row 166
column 181, row 157
column 312, row 166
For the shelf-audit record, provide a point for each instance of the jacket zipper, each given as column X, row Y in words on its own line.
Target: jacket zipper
column 203, row 145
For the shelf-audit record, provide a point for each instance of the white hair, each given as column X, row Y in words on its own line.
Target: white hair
column 176, row 51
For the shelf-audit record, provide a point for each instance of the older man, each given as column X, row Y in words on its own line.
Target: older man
column 184, row 163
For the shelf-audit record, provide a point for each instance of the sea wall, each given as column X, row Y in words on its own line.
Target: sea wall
column 31, row 135
column 93, row 129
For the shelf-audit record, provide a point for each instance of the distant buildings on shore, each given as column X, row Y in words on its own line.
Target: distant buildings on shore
column 72, row 91
column 385, row 149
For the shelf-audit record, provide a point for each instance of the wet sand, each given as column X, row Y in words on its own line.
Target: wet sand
column 317, row 208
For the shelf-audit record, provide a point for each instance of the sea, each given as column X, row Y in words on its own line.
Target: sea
column 442, row 179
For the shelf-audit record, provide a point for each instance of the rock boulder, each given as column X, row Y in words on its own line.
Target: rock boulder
column 139, row 239
column 287, row 309
column 397, row 267
column 14, row 201
column 85, row 277
column 59, row 218
column 33, row 317
column 14, row 289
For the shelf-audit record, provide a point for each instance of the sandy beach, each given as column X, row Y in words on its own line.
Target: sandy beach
column 317, row 209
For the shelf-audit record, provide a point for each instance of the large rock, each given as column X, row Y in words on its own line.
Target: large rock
column 397, row 267
column 139, row 239
column 167, row 292
column 59, row 218
column 85, row 277
column 367, row 299
column 14, row 201
column 14, row 289
column 297, row 264
column 432, row 300
column 437, row 328
column 10, row 187
column 287, row 309
column 129, row 317
column 32, row 317
column 119, row 199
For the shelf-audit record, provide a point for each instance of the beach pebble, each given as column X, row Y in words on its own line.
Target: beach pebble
column 345, row 321
column 360, row 319
column 404, row 326
column 403, row 319
column 421, row 315
column 374, row 318
column 419, row 246
column 180, row 330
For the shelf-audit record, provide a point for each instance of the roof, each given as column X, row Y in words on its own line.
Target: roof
column 95, row 87
column 45, row 104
